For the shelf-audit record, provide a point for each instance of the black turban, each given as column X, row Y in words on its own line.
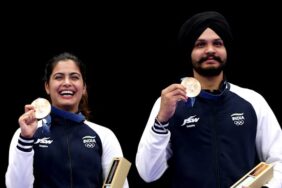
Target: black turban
column 197, row 24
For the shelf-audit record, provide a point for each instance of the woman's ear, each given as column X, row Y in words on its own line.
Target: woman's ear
column 84, row 89
column 47, row 88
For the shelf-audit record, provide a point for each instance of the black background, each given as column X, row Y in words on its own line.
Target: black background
column 130, row 52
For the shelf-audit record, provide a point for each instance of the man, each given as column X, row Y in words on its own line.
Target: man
column 215, row 138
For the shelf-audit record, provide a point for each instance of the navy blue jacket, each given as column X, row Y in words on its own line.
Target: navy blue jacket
column 214, row 139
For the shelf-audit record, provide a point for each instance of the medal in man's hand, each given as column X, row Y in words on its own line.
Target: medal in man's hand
column 192, row 85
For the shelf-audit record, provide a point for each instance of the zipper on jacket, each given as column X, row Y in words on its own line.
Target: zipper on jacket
column 68, row 130
column 215, row 146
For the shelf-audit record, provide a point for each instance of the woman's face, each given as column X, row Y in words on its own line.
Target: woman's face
column 66, row 86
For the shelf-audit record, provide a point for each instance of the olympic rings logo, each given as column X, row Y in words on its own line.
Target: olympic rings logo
column 239, row 122
column 90, row 145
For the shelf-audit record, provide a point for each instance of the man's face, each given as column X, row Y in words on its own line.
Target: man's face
column 209, row 54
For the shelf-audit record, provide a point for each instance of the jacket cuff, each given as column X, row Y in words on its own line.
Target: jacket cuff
column 25, row 144
column 160, row 128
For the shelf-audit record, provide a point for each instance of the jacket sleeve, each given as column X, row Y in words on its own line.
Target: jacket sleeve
column 19, row 172
column 111, row 149
column 268, row 142
column 153, row 149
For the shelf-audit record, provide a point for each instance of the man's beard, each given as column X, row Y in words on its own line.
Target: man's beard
column 210, row 71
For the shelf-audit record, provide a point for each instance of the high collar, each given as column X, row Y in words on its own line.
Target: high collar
column 76, row 117
column 224, row 85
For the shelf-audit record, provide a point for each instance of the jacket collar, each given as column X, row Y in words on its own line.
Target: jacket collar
column 76, row 117
column 215, row 94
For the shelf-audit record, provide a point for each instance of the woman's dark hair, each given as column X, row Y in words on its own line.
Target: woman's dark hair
column 83, row 104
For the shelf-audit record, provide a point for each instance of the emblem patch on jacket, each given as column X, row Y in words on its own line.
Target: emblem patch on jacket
column 238, row 118
column 89, row 141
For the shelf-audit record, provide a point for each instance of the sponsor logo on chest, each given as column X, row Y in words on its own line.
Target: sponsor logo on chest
column 190, row 121
column 44, row 142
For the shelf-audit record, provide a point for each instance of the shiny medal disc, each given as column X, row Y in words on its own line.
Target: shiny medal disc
column 42, row 107
column 192, row 85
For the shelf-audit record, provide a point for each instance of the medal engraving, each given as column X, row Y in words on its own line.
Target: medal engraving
column 42, row 107
column 192, row 85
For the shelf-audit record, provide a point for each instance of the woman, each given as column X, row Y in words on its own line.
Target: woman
column 63, row 149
